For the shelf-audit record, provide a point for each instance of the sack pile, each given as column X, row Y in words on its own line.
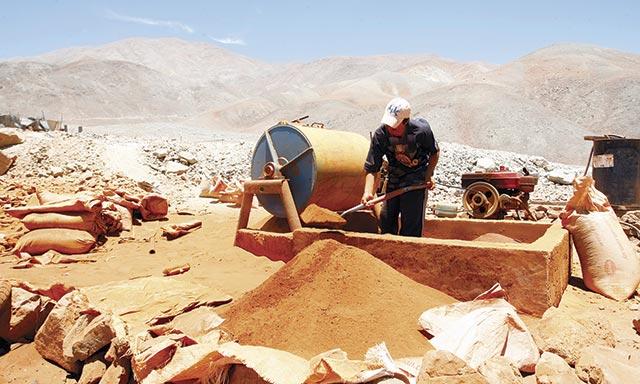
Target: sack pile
column 610, row 264
column 70, row 224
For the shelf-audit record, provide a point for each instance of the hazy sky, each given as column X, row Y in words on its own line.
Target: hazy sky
column 280, row 31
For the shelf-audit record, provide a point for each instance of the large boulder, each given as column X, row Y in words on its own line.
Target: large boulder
column 604, row 365
column 445, row 367
column 499, row 370
column 62, row 319
column 93, row 370
column 97, row 334
column 26, row 313
column 552, row 369
column 566, row 335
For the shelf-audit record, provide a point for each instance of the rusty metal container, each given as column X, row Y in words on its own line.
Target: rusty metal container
column 324, row 167
column 616, row 170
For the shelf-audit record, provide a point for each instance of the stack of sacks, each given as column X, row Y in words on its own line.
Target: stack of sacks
column 70, row 224
column 150, row 206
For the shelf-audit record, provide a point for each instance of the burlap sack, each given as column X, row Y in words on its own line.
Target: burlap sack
column 84, row 221
column 66, row 241
column 610, row 265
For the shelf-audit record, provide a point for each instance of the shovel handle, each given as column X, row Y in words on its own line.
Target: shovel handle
column 386, row 196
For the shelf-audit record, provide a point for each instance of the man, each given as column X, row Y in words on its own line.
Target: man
column 412, row 154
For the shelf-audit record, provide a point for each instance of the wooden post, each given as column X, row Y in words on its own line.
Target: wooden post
column 245, row 210
column 268, row 187
column 290, row 207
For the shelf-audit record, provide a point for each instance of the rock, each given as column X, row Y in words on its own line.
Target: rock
column 539, row 162
column 161, row 153
column 561, row 177
column 174, row 167
column 145, row 186
column 499, row 370
column 445, row 367
column 486, row 164
column 242, row 374
column 552, row 369
column 86, row 175
column 115, row 374
column 187, row 158
column 5, row 163
column 93, row 370
column 28, row 312
column 560, row 333
column 553, row 214
column 56, row 171
column 152, row 354
column 153, row 207
column 119, row 347
column 539, row 215
column 49, row 339
column 604, row 365
column 97, row 334
column 8, row 139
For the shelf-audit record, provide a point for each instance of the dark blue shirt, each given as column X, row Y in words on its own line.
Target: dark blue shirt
column 408, row 156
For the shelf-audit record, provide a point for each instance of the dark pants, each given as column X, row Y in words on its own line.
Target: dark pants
column 410, row 207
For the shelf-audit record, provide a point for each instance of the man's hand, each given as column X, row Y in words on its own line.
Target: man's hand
column 366, row 197
column 431, row 184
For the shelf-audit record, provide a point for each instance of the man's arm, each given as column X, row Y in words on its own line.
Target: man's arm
column 369, row 182
column 431, row 167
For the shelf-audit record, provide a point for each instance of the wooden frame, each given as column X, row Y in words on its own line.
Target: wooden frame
column 268, row 187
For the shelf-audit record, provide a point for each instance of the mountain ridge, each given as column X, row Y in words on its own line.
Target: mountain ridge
column 561, row 91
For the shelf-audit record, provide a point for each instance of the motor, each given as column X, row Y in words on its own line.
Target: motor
column 489, row 195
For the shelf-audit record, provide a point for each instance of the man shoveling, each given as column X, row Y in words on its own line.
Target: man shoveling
column 412, row 153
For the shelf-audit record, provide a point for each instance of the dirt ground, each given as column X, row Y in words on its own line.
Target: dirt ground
column 215, row 262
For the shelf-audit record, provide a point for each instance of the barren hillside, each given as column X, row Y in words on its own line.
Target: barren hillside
column 596, row 88
column 540, row 104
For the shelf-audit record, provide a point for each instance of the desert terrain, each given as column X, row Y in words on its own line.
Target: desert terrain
column 166, row 116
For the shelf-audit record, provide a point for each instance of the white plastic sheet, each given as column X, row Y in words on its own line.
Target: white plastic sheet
column 478, row 330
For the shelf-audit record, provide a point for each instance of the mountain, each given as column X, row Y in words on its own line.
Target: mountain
column 541, row 104
column 596, row 88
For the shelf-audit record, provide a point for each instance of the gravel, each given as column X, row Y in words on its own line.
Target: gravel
column 175, row 160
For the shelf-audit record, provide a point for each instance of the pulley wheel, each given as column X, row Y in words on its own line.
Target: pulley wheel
column 481, row 200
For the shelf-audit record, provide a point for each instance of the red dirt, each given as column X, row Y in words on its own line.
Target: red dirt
column 318, row 217
column 334, row 296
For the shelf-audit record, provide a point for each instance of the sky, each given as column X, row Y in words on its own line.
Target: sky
column 286, row 31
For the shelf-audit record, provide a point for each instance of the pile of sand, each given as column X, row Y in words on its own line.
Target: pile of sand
column 334, row 296
column 495, row 238
column 318, row 217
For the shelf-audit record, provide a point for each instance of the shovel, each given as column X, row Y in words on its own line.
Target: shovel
column 384, row 197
